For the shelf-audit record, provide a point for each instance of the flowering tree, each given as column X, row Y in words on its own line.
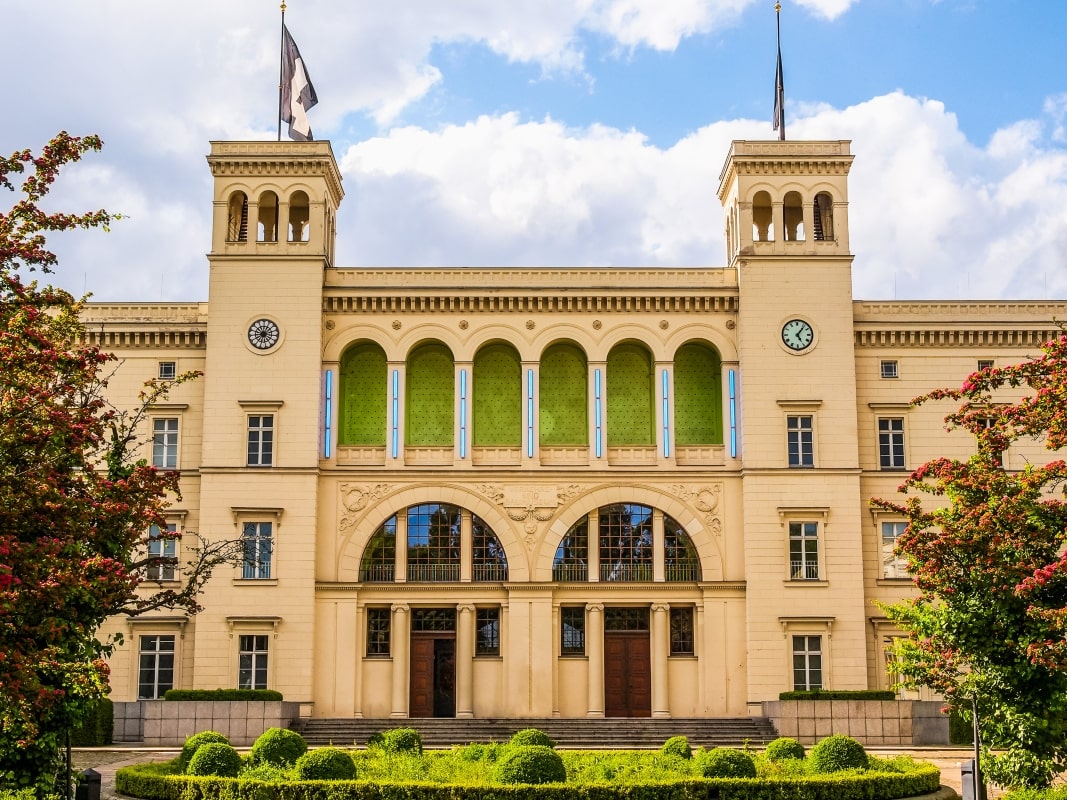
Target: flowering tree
column 75, row 507
column 990, row 621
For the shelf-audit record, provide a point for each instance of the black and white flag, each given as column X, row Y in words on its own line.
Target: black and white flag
column 298, row 95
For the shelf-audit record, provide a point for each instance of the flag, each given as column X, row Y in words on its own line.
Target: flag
column 779, row 97
column 297, row 93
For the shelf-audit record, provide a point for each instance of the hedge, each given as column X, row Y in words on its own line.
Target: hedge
column 96, row 729
column 839, row 694
column 222, row 694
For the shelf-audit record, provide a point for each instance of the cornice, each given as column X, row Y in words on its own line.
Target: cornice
column 362, row 303
column 260, row 158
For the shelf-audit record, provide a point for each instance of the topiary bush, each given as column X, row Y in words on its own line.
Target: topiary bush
column 677, row 746
column 531, row 737
column 530, row 764
column 278, row 746
column 214, row 758
column 784, row 747
column 195, row 742
column 837, row 752
column 325, row 764
column 401, row 740
column 725, row 762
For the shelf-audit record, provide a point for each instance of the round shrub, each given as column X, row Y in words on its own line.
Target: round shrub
column 278, row 746
column 531, row 737
column 677, row 746
column 195, row 742
column 325, row 764
column 214, row 758
column 784, row 747
column 531, row 764
column 837, row 752
column 402, row 740
column 725, row 762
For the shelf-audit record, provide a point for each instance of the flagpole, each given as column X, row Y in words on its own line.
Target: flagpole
column 779, row 88
column 281, row 71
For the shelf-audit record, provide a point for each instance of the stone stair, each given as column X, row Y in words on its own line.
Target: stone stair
column 612, row 733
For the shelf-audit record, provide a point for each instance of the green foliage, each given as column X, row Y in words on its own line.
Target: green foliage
column 325, row 764
column 838, row 694
column 725, row 762
column 531, row 737
column 960, row 727
column 530, row 764
column 221, row 694
column 784, row 747
column 195, row 742
column 215, row 758
column 1054, row 793
column 836, row 753
column 398, row 740
column 98, row 726
column 677, row 746
column 20, row 794
column 278, row 746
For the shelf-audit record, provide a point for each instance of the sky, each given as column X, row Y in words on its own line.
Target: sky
column 559, row 132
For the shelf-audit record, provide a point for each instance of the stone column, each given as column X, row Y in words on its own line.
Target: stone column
column 661, row 643
column 658, row 560
column 401, row 641
column 466, row 545
column 594, row 649
column 465, row 661
column 401, row 555
column 593, row 538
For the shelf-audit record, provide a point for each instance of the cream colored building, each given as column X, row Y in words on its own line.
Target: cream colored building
column 528, row 492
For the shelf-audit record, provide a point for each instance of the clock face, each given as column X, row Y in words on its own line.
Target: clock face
column 797, row 335
column 263, row 334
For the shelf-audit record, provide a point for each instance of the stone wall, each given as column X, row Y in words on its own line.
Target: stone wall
column 872, row 722
column 168, row 723
column 128, row 721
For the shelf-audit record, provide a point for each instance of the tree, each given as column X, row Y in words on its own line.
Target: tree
column 75, row 505
column 990, row 620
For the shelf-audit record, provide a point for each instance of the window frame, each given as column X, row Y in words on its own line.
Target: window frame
column 156, row 655
column 797, row 436
column 889, row 369
column 804, row 536
column 890, row 562
column 260, row 440
column 167, row 370
column 806, row 653
column 258, row 660
column 252, row 535
column 165, row 443
column 682, row 642
column 892, row 455
column 379, row 632
column 573, row 646
column 167, row 547
column 487, row 617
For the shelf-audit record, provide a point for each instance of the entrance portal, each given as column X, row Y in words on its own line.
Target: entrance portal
column 627, row 663
column 433, row 663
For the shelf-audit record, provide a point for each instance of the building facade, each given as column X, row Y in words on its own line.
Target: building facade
column 531, row 492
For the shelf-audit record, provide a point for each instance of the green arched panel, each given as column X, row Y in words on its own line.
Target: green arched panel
column 497, row 401
column 697, row 395
column 563, row 401
column 364, row 395
column 631, row 409
column 431, row 381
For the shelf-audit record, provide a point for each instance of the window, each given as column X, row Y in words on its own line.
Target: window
column 570, row 563
column 889, row 369
column 487, row 632
column 572, row 631
column 891, row 442
column 379, row 557
column 807, row 663
column 168, row 370
column 800, row 441
column 680, row 560
column 892, row 565
column 378, row 620
column 985, row 363
column 260, row 440
column 155, row 669
column 625, row 542
column 258, row 546
column 433, row 542
column 804, row 551
column 490, row 563
column 165, row 443
column 682, row 632
column 252, row 662
column 162, row 547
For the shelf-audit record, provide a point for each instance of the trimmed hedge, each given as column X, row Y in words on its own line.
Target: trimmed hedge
column 839, row 694
column 215, row 758
column 237, row 695
column 278, row 746
column 784, row 747
column 325, row 764
column 97, row 729
column 531, row 737
column 677, row 746
column 397, row 740
column 195, row 742
column 725, row 762
column 535, row 763
column 836, row 753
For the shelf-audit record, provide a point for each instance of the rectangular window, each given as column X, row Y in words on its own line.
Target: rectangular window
column 487, row 632
column 889, row 369
column 892, row 565
column 163, row 547
column 168, row 370
column 682, row 632
column 804, row 551
column 985, row 363
column 260, row 440
column 572, row 631
column 807, row 663
column 801, row 441
column 378, row 620
column 165, row 443
column 258, row 548
column 252, row 662
column 891, row 443
column 155, row 667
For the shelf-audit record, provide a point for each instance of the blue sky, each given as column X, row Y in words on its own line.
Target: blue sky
column 564, row 132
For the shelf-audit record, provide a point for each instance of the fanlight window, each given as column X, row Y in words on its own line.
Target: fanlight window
column 571, row 562
column 490, row 561
column 680, row 559
column 625, row 543
column 379, row 558
column 433, row 542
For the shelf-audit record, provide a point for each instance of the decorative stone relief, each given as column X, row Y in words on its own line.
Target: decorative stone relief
column 356, row 498
column 528, row 504
column 494, row 492
column 705, row 499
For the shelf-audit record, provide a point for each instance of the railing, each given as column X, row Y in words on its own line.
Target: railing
column 681, row 573
column 377, row 573
column 570, row 573
column 625, row 572
column 803, row 571
column 433, row 573
column 489, row 572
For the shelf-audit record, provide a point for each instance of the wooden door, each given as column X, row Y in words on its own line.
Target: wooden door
column 420, row 701
column 432, row 690
column 627, row 674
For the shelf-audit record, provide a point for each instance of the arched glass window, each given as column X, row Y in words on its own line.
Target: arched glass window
column 762, row 219
column 433, row 542
column 299, row 217
column 237, row 218
column 823, row 227
column 490, row 563
column 793, row 217
column 431, row 380
column 572, row 555
column 697, row 395
column 364, row 395
column 267, row 230
column 631, row 407
column 680, row 560
column 379, row 557
column 497, row 402
column 563, row 397
column 625, row 542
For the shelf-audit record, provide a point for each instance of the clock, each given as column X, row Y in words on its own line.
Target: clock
column 797, row 335
column 263, row 334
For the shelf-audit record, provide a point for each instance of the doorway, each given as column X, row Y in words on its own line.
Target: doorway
column 627, row 663
column 432, row 690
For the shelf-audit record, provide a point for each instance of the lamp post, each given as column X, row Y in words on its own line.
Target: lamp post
column 979, row 784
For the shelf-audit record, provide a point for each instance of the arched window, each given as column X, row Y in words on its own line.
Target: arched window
column 680, row 559
column 267, row 230
column 489, row 561
column 793, row 217
column 379, row 557
column 431, row 380
column 631, row 407
column 625, row 542
column 237, row 218
column 697, row 395
column 572, row 555
column 364, row 395
column 762, row 219
column 299, row 217
column 823, row 226
column 497, row 402
column 563, row 404
column 433, row 542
